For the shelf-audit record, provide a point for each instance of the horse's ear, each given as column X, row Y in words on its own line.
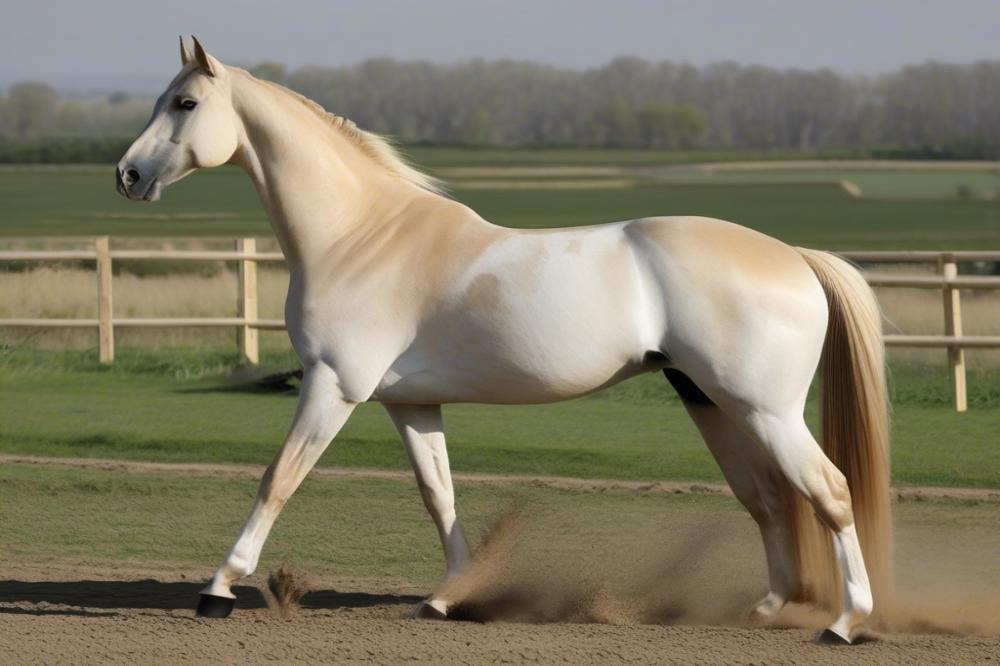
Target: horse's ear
column 205, row 63
column 185, row 54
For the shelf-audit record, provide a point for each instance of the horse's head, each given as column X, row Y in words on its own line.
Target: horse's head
column 193, row 125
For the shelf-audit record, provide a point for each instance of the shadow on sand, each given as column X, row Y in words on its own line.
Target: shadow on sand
column 84, row 595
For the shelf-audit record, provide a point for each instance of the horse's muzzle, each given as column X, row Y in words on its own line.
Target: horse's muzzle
column 119, row 183
column 126, row 181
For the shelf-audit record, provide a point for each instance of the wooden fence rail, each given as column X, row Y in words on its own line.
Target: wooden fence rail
column 247, row 323
column 950, row 282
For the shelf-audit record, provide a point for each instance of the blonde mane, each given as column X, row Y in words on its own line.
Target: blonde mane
column 378, row 148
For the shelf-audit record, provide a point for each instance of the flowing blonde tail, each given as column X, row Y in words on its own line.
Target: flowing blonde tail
column 855, row 429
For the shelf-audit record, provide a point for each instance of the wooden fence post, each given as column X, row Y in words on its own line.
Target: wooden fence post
column 953, row 327
column 247, row 337
column 105, row 311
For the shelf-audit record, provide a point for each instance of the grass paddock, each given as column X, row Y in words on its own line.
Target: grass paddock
column 200, row 407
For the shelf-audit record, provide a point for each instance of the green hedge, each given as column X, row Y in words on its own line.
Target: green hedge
column 82, row 150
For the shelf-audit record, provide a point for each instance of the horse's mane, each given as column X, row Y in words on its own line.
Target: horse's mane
column 378, row 148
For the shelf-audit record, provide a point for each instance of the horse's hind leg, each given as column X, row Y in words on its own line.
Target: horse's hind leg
column 422, row 432
column 755, row 482
column 321, row 413
column 811, row 473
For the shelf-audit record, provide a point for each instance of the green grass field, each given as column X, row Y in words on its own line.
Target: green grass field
column 171, row 406
column 58, row 202
column 874, row 184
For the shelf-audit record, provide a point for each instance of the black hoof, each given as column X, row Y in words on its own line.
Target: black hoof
column 210, row 605
column 427, row 612
column 831, row 638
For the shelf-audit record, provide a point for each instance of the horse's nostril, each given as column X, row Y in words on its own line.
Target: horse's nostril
column 131, row 177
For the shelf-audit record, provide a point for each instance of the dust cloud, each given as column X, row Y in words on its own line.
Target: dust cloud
column 661, row 581
column 689, row 576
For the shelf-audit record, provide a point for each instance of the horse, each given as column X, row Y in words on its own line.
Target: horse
column 401, row 295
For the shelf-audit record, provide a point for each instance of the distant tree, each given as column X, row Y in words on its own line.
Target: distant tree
column 670, row 125
column 933, row 110
column 622, row 123
column 30, row 108
column 477, row 127
column 270, row 71
column 5, row 130
column 72, row 118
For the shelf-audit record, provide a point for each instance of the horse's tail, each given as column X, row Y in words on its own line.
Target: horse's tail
column 854, row 413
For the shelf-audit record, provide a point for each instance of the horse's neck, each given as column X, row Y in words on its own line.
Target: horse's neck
column 314, row 185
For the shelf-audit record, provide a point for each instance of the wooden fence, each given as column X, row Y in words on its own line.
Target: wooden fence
column 949, row 282
column 247, row 322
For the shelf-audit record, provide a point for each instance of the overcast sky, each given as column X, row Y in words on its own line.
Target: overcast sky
column 82, row 44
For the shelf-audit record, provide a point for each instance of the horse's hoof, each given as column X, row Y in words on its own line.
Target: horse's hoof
column 758, row 618
column 426, row 611
column 830, row 637
column 210, row 605
column 765, row 612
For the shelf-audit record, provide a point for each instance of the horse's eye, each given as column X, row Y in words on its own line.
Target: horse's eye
column 187, row 104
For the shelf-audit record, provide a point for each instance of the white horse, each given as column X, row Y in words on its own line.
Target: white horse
column 403, row 296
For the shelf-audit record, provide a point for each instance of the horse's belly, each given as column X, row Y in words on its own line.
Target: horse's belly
column 539, row 318
column 497, row 382
column 518, row 361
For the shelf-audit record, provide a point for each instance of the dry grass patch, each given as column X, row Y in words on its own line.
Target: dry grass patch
column 921, row 312
column 61, row 293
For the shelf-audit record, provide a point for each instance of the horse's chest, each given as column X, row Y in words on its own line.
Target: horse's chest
column 356, row 337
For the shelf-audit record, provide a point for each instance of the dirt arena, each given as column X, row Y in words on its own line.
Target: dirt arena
column 680, row 603
column 86, row 615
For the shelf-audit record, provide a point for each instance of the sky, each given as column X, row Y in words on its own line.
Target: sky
column 81, row 45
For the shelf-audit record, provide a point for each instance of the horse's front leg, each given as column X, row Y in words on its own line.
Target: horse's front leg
column 321, row 412
column 422, row 431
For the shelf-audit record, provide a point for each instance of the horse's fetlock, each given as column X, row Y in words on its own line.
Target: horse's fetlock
column 239, row 567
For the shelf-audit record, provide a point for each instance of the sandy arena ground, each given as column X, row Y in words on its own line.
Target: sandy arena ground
column 87, row 615
column 80, row 612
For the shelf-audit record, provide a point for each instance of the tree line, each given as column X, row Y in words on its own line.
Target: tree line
column 925, row 110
